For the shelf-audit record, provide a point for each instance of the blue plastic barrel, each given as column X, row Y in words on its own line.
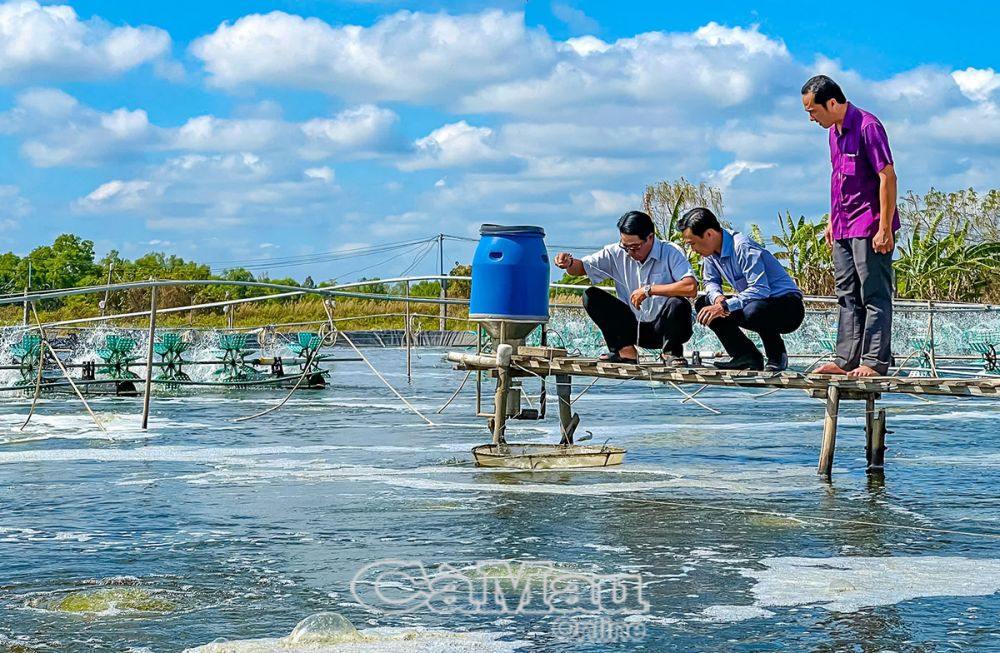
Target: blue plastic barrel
column 510, row 275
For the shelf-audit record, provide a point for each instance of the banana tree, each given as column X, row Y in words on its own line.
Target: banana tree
column 945, row 266
column 803, row 249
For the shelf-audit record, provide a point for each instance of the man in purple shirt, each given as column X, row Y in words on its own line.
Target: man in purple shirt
column 863, row 221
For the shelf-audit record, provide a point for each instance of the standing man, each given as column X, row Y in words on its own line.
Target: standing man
column 863, row 223
column 766, row 301
column 652, row 279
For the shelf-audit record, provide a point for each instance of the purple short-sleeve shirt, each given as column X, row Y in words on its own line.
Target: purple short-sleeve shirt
column 858, row 153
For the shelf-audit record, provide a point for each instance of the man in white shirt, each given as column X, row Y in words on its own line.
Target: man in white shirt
column 653, row 280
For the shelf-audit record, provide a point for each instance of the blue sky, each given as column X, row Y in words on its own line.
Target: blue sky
column 265, row 132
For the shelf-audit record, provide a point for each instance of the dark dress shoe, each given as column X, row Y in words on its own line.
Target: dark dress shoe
column 615, row 357
column 744, row 362
column 779, row 364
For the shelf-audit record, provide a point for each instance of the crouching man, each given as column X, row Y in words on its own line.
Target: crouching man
column 653, row 280
column 767, row 300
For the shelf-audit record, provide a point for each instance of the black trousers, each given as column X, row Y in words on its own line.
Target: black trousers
column 864, row 292
column 668, row 331
column 769, row 317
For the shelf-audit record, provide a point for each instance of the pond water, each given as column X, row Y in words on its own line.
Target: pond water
column 207, row 533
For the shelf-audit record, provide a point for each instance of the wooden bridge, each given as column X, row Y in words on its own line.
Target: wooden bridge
column 546, row 361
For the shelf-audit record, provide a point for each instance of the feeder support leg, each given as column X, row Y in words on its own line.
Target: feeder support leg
column 567, row 420
column 503, row 387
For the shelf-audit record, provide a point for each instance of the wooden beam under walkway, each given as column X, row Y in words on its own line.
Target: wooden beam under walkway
column 543, row 362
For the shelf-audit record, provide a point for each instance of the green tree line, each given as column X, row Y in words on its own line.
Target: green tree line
column 70, row 262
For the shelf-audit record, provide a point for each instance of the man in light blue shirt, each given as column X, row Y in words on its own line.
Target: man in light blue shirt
column 766, row 301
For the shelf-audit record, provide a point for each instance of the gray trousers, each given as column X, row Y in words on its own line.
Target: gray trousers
column 864, row 291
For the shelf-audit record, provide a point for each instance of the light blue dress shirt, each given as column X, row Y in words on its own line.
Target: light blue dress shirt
column 751, row 270
column 666, row 263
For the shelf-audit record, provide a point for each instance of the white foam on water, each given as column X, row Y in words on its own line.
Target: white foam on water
column 260, row 465
column 94, row 435
column 678, row 428
column 607, row 548
column 152, row 454
column 963, row 415
column 728, row 613
column 969, row 459
column 902, row 510
column 651, row 619
column 119, row 426
column 848, row 584
column 589, row 489
column 377, row 640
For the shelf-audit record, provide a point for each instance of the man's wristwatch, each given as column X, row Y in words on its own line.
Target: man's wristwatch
column 648, row 289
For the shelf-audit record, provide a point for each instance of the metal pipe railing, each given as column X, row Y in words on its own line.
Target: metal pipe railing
column 343, row 290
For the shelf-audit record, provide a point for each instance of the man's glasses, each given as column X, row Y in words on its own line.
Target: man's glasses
column 631, row 248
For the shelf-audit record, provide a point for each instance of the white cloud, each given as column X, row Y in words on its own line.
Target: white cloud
column 966, row 126
column 324, row 173
column 584, row 45
column 606, row 203
column 121, row 195
column 699, row 75
column 723, row 178
column 212, row 134
column 403, row 225
column 919, row 91
column 59, row 131
column 206, row 191
column 51, row 42
column 977, row 84
column 613, row 140
column 358, row 130
column 749, row 40
column 403, row 56
column 575, row 19
column 563, row 132
column 13, row 206
column 457, row 145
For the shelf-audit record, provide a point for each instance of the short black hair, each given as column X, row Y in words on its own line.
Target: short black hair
column 699, row 221
column 636, row 223
column 824, row 89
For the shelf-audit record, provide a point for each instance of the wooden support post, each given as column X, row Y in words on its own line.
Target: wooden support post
column 567, row 420
column 149, row 359
column 829, row 431
column 504, row 353
column 876, row 445
column 869, row 422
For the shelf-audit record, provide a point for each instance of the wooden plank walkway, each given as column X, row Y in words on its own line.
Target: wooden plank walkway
column 955, row 387
column 543, row 362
